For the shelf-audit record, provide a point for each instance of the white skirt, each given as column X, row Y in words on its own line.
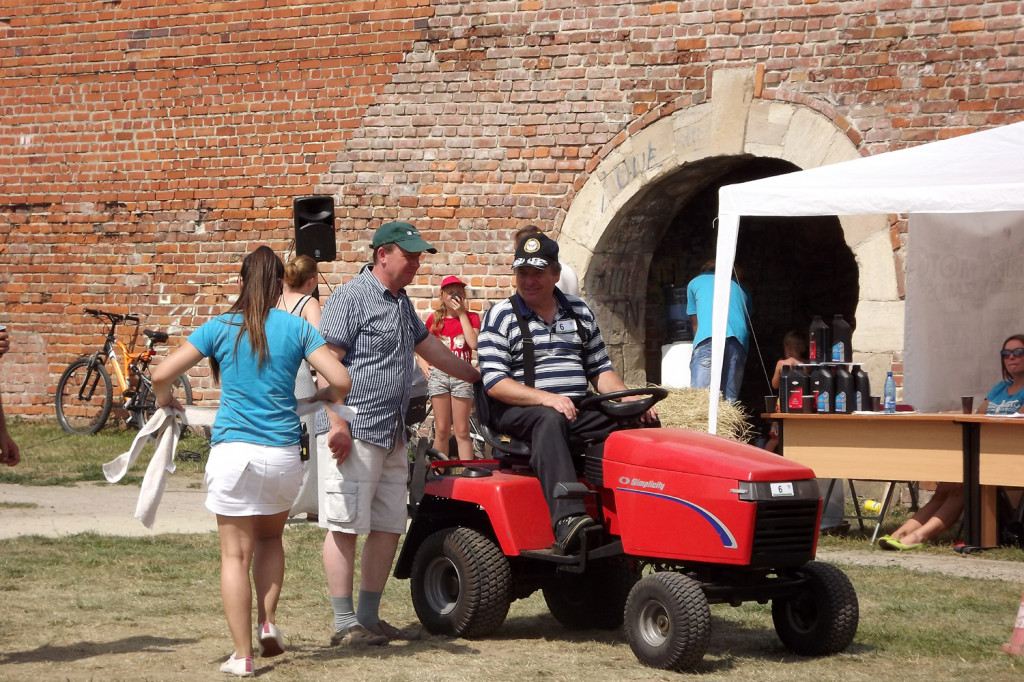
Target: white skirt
column 245, row 479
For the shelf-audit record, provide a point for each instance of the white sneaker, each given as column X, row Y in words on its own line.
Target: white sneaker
column 239, row 667
column 270, row 640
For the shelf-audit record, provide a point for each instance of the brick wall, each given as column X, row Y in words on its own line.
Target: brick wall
column 146, row 146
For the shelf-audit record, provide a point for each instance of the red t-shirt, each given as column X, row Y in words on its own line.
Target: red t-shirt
column 451, row 334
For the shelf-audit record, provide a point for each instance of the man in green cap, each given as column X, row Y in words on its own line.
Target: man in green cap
column 373, row 328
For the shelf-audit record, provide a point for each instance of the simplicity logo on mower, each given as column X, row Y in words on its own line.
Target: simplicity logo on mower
column 626, row 480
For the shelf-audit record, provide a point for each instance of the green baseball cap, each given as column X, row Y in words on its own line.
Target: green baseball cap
column 404, row 235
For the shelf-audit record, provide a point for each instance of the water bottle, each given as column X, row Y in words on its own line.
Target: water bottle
column 889, row 395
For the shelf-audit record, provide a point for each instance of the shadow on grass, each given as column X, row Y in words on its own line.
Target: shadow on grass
column 80, row 650
column 428, row 643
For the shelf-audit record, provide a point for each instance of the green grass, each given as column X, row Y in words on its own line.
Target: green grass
column 90, row 604
column 49, row 456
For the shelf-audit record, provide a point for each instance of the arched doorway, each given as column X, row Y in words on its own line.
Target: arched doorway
column 644, row 219
column 795, row 268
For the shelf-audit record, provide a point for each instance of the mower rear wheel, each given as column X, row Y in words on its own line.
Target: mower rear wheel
column 594, row 599
column 461, row 584
column 821, row 619
column 668, row 621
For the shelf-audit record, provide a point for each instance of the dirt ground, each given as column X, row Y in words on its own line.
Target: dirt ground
column 108, row 509
column 53, row 511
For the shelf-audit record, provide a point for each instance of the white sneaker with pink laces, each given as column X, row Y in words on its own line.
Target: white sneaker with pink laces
column 270, row 640
column 239, row 667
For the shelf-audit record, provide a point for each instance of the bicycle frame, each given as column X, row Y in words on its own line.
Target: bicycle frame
column 123, row 369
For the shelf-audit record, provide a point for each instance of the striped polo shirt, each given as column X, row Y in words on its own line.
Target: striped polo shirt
column 379, row 332
column 558, row 349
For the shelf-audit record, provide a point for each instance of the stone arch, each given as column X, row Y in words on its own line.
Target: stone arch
column 616, row 221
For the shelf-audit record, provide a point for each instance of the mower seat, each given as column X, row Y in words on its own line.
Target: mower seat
column 505, row 444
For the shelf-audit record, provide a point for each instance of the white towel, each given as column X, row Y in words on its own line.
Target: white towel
column 162, row 427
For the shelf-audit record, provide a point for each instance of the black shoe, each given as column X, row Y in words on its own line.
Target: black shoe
column 569, row 530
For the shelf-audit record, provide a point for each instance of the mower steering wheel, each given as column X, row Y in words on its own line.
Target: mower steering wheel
column 624, row 410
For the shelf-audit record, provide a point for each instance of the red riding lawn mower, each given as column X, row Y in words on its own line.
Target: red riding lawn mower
column 686, row 520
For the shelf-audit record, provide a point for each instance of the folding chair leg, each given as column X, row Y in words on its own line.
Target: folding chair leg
column 857, row 506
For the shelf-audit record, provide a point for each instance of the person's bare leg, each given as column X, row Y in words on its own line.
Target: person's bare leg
column 461, row 407
column 375, row 563
column 236, row 552
column 268, row 565
column 441, row 406
column 339, row 556
column 944, row 517
column 914, row 523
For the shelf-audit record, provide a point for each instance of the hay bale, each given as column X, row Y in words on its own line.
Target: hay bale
column 687, row 408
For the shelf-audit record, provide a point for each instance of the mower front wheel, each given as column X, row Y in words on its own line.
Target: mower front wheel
column 668, row 621
column 822, row 618
column 461, row 583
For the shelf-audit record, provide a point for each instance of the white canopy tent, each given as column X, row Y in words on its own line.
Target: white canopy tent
column 963, row 195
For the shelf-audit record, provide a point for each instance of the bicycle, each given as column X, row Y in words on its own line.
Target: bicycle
column 416, row 427
column 85, row 396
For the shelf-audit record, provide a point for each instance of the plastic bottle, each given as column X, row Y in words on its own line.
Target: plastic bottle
column 862, row 403
column 842, row 340
column 844, row 391
column 820, row 340
column 889, row 395
column 823, row 386
column 784, row 389
column 799, row 386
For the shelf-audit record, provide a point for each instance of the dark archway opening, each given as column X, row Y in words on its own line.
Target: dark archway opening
column 794, row 268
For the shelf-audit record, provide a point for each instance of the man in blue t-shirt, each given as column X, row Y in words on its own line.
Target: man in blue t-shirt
column 700, row 294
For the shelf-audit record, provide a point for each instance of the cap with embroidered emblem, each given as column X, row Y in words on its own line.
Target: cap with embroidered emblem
column 536, row 251
column 404, row 235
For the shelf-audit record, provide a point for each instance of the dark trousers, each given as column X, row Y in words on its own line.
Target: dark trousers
column 549, row 434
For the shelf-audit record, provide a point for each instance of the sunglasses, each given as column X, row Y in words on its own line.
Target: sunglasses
column 1016, row 352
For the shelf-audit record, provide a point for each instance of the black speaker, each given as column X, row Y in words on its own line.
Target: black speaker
column 314, row 227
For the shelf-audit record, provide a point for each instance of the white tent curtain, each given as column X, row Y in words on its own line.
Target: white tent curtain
column 965, row 282
column 977, row 173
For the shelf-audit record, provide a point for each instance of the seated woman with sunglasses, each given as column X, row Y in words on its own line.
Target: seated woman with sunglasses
column 947, row 503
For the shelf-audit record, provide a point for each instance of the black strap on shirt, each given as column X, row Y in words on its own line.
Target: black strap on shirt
column 529, row 361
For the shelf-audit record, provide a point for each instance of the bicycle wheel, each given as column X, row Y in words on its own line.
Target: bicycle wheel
column 481, row 450
column 84, row 397
column 146, row 405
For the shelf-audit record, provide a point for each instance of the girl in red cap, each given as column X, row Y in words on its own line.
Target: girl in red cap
column 451, row 399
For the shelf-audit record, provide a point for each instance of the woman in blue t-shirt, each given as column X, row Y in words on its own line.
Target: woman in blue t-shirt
column 254, row 470
column 947, row 503
column 1007, row 396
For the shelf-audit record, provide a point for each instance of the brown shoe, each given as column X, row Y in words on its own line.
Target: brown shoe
column 357, row 635
column 386, row 629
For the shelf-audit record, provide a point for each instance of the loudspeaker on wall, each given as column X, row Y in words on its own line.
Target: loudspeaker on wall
column 314, row 227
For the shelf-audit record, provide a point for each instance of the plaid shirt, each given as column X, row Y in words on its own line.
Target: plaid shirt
column 379, row 332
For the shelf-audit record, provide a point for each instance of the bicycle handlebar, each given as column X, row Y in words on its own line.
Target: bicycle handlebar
column 114, row 317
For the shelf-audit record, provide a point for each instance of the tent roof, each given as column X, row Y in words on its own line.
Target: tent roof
column 973, row 173
column 976, row 173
